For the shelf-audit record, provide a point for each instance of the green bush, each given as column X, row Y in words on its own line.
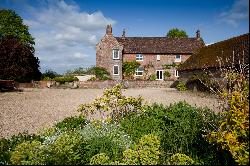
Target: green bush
column 166, row 74
column 137, row 125
column 99, row 159
column 152, row 77
column 28, row 153
column 145, row 153
column 64, row 79
column 100, row 73
column 104, row 138
column 128, row 68
column 8, row 145
column 181, row 86
column 180, row 159
column 69, row 123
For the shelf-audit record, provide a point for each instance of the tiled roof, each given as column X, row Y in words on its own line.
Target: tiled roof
column 160, row 45
column 229, row 51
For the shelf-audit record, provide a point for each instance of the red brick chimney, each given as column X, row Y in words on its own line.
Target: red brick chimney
column 109, row 29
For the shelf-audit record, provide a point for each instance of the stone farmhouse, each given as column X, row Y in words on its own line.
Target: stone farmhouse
column 153, row 53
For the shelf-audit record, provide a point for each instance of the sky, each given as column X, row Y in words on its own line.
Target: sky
column 66, row 31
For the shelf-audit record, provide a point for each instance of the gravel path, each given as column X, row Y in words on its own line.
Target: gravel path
column 33, row 109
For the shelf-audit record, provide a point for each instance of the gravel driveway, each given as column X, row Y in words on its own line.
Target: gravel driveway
column 34, row 109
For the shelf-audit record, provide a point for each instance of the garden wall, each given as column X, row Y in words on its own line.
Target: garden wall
column 97, row 84
column 127, row 84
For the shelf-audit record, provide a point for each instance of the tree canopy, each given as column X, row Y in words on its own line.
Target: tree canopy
column 11, row 24
column 17, row 60
column 176, row 33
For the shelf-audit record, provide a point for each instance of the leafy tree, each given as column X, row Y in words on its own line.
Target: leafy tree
column 17, row 61
column 12, row 25
column 50, row 73
column 176, row 33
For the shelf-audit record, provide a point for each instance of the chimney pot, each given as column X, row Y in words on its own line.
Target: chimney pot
column 198, row 35
column 109, row 29
column 123, row 33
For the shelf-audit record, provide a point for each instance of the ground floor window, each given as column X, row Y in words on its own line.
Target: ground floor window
column 176, row 73
column 115, row 70
column 159, row 74
column 139, row 71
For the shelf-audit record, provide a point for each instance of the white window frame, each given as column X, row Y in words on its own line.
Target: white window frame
column 177, row 59
column 136, row 71
column 117, row 70
column 158, row 57
column 176, row 73
column 113, row 52
column 162, row 74
column 139, row 58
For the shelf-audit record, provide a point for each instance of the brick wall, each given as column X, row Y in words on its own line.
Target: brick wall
column 157, row 65
column 104, row 56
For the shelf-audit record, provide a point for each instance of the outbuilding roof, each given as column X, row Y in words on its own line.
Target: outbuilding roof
column 234, row 50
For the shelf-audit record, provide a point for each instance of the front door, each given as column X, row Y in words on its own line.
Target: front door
column 159, row 74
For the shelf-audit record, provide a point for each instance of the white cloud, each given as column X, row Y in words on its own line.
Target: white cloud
column 65, row 36
column 238, row 12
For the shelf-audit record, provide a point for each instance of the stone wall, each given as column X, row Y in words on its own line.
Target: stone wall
column 127, row 84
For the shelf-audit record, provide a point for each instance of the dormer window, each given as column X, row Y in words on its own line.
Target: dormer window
column 177, row 58
column 115, row 54
column 139, row 57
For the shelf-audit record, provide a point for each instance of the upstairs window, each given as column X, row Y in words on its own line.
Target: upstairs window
column 115, row 54
column 139, row 71
column 115, row 70
column 158, row 57
column 139, row 57
column 177, row 58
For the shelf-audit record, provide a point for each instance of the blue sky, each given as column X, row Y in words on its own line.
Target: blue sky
column 66, row 32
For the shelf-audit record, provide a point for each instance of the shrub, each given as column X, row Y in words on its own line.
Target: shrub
column 113, row 103
column 100, row 73
column 64, row 79
column 137, row 125
column 49, row 74
column 128, row 68
column 145, row 153
column 8, row 145
column 185, row 130
column 181, row 86
column 99, row 159
column 152, row 77
column 27, row 153
column 233, row 133
column 104, row 138
column 167, row 74
column 180, row 159
column 47, row 79
column 69, row 123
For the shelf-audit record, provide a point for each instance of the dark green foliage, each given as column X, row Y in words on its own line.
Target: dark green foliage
column 49, row 74
column 64, row 79
column 100, row 73
column 17, row 61
column 12, row 25
column 8, row 145
column 167, row 74
column 128, row 68
column 138, row 125
column 176, row 33
column 69, row 123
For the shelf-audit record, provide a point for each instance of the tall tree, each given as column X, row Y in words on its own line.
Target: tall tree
column 11, row 24
column 176, row 33
column 17, row 60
